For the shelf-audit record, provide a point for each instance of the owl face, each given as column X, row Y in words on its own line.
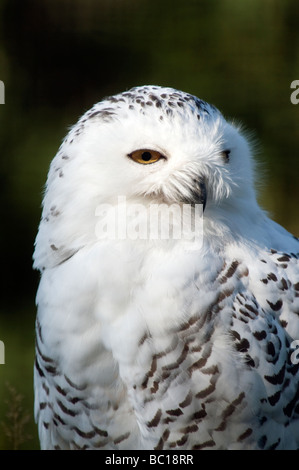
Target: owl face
column 149, row 145
column 154, row 143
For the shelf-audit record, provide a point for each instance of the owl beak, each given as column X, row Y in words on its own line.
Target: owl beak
column 193, row 194
column 198, row 194
column 202, row 194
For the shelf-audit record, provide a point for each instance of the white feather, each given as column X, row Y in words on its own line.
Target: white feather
column 163, row 344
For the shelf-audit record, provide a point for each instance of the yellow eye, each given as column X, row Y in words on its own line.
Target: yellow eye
column 145, row 156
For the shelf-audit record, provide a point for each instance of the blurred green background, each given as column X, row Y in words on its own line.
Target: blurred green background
column 58, row 57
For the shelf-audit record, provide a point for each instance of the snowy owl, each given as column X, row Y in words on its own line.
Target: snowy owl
column 155, row 342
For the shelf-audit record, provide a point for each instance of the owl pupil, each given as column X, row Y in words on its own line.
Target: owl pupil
column 146, row 156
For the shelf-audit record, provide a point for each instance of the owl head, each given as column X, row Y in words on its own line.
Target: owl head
column 151, row 145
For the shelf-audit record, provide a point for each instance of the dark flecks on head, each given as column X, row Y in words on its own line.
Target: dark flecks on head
column 141, row 98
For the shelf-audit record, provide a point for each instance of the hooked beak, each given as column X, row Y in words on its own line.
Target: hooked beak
column 198, row 194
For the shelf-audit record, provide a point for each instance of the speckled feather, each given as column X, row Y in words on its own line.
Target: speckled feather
column 144, row 344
